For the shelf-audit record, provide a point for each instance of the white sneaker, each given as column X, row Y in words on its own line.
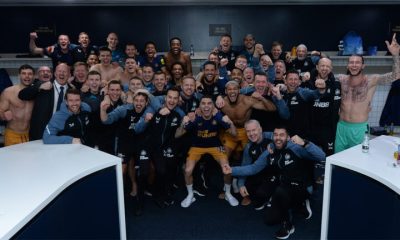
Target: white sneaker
column 231, row 199
column 187, row 201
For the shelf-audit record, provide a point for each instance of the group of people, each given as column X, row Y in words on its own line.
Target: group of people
column 264, row 117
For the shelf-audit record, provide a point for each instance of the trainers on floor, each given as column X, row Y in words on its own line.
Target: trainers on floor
column 187, row 201
column 259, row 206
column 231, row 199
column 285, row 231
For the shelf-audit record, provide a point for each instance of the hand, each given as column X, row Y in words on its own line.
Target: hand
column 76, row 141
column 148, row 117
column 105, row 104
column 164, row 111
column 220, row 102
column 128, row 97
column 226, row 119
column 85, row 88
column 288, row 57
column 215, row 50
column 306, row 76
column 185, row 120
column 276, row 92
column 270, row 149
column 259, row 48
column 393, row 47
column 46, row 86
column 243, row 191
column 226, row 169
column 297, row 140
column 223, row 62
column 282, row 87
column 33, row 35
column 192, row 116
column 320, row 84
column 257, row 96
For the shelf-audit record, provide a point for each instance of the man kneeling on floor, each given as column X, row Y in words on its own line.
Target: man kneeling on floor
column 289, row 156
column 205, row 129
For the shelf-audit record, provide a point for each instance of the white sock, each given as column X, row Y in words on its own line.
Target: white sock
column 227, row 188
column 190, row 189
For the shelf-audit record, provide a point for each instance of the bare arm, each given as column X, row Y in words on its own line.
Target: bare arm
column 188, row 65
column 394, row 49
column 259, row 102
column 180, row 131
column 4, row 106
column 32, row 45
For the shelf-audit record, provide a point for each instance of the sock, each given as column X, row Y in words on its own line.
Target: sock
column 227, row 188
column 190, row 189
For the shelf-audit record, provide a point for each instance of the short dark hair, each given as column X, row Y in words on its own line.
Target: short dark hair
column 259, row 73
column 226, row 35
column 72, row 91
column 175, row 38
column 115, row 82
column 105, row 49
column 93, row 72
column 24, row 67
column 210, row 63
column 293, row 71
column 150, row 42
column 174, row 89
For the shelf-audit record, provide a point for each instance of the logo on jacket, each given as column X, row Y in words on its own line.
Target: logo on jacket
column 71, row 125
column 158, row 119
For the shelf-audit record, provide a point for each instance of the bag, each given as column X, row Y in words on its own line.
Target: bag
column 352, row 44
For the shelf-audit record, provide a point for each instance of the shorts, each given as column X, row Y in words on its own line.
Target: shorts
column 349, row 134
column 218, row 153
column 235, row 143
column 11, row 137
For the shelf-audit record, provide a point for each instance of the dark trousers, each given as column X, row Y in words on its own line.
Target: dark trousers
column 286, row 196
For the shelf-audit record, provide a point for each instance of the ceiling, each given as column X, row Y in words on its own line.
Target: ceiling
column 189, row 2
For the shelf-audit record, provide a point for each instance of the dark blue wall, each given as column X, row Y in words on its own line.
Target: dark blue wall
column 319, row 27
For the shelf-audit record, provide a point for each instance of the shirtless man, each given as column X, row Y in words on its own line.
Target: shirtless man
column 357, row 92
column 175, row 54
column 107, row 70
column 15, row 111
column 130, row 71
column 239, row 108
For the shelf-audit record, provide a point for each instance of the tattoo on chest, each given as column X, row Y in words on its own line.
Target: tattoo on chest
column 355, row 94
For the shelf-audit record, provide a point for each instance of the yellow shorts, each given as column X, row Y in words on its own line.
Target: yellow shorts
column 11, row 137
column 218, row 153
column 235, row 143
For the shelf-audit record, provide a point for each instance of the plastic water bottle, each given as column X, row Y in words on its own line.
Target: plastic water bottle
column 191, row 50
column 365, row 143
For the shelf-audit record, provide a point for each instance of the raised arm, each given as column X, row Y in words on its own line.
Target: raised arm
column 32, row 44
column 394, row 49
column 259, row 102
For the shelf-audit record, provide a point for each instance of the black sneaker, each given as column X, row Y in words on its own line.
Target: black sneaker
column 305, row 209
column 259, row 205
column 169, row 201
column 160, row 202
column 285, row 231
column 200, row 190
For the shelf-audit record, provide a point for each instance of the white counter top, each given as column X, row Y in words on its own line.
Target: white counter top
column 376, row 164
column 33, row 174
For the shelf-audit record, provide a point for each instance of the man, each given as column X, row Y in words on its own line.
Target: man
column 357, row 92
column 205, row 140
column 126, row 117
column 248, row 75
column 159, row 84
column 151, row 57
column 280, row 72
column 249, row 43
column 147, row 75
column 44, row 74
column 210, row 82
column 48, row 97
column 289, row 158
column 302, row 63
column 70, row 123
column 175, row 54
column 15, row 111
column 297, row 99
column 177, row 73
column 238, row 108
column 60, row 53
column 257, row 188
column 324, row 113
column 117, row 55
column 80, row 75
column 130, row 71
column 161, row 144
column 107, row 70
column 81, row 52
column 268, row 119
column 225, row 51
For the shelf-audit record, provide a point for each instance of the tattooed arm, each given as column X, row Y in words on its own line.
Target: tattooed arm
column 394, row 49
